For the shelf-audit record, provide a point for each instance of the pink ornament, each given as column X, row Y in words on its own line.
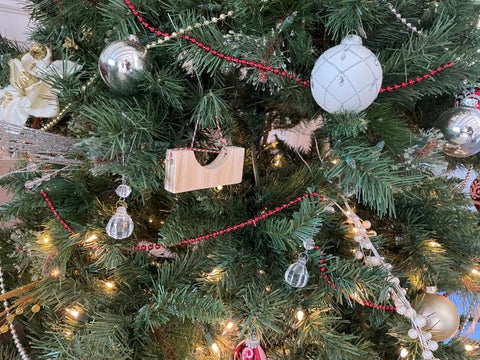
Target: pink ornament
column 249, row 350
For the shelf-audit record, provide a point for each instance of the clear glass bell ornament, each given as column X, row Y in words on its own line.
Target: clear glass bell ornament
column 297, row 273
column 120, row 226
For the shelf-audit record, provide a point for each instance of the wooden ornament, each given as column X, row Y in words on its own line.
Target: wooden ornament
column 184, row 173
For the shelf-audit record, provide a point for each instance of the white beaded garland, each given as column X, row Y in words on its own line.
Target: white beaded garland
column 358, row 255
column 182, row 31
column 412, row 334
column 432, row 345
column 427, row 354
column 398, row 294
column 346, row 77
column 420, row 321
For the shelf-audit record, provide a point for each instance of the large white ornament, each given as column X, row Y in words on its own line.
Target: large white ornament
column 346, row 77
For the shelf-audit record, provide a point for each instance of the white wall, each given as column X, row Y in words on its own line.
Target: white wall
column 14, row 20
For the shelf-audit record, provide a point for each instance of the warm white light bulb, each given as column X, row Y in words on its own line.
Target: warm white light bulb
column 91, row 238
column 278, row 161
column 55, row 272
column 74, row 313
column 215, row 348
column 475, row 272
column 230, row 325
column 109, row 285
column 46, row 240
column 403, row 353
column 300, row 315
column 468, row 347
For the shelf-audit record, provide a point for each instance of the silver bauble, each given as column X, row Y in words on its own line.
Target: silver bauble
column 461, row 128
column 121, row 65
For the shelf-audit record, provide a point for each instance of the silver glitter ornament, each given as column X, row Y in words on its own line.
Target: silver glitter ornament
column 461, row 128
column 121, row 65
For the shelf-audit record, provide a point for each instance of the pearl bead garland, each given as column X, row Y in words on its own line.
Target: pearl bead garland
column 398, row 294
column 244, row 63
column 49, row 125
column 16, row 340
column 403, row 20
column 182, row 31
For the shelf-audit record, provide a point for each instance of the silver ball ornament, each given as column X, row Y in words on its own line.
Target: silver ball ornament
column 121, row 65
column 461, row 128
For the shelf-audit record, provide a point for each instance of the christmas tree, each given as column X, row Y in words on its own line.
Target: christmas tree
column 240, row 179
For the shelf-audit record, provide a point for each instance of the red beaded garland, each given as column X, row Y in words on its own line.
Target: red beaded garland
column 55, row 213
column 265, row 68
column 249, row 222
column 326, row 277
column 323, row 268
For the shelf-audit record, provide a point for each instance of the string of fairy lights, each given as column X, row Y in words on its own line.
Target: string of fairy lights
column 361, row 233
column 109, row 285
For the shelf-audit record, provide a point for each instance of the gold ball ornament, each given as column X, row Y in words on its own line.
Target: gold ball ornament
column 439, row 312
column 38, row 51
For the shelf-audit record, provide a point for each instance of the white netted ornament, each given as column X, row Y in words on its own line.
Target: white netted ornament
column 346, row 77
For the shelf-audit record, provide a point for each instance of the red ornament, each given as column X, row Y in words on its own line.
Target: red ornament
column 249, row 350
column 475, row 193
column 469, row 98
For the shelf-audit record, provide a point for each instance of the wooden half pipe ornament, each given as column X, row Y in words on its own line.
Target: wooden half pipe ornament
column 184, row 173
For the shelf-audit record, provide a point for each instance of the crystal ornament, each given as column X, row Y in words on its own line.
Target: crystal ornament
column 297, row 274
column 120, row 226
column 123, row 191
column 309, row 244
column 346, row 77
